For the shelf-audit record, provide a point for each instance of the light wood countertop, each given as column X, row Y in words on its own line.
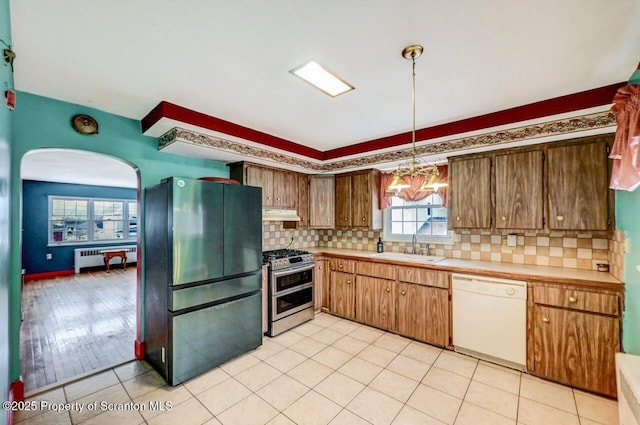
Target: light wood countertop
column 591, row 278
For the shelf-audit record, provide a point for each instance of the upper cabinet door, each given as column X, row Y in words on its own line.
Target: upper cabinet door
column 343, row 203
column 321, row 198
column 578, row 187
column 303, row 201
column 262, row 177
column 361, row 200
column 470, row 193
column 285, row 189
column 519, row 197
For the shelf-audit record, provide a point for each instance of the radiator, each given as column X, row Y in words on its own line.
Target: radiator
column 628, row 379
column 91, row 257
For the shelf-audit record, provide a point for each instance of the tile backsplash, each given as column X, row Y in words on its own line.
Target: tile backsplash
column 556, row 249
column 274, row 236
column 616, row 254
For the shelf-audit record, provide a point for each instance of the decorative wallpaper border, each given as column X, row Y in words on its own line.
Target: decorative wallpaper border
column 534, row 131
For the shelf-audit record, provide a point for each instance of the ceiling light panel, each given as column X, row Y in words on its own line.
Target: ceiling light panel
column 317, row 76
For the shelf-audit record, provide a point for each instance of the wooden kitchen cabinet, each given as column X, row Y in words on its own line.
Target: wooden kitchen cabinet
column 552, row 186
column 356, row 200
column 578, row 180
column 343, row 201
column 261, row 177
column 321, row 202
column 321, row 276
column 519, row 202
column 423, row 305
column 279, row 187
column 303, row 201
column 342, row 294
column 376, row 301
column 470, row 193
column 576, row 333
column 376, row 294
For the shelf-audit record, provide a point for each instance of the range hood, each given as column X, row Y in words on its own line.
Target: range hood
column 269, row 214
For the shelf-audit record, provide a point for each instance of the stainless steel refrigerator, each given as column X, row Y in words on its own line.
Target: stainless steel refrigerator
column 203, row 258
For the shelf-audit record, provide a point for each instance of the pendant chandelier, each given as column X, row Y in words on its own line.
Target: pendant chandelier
column 412, row 167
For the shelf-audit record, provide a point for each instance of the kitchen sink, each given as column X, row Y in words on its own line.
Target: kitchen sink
column 408, row 257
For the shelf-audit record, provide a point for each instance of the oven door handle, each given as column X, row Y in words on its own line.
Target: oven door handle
column 291, row 270
column 294, row 289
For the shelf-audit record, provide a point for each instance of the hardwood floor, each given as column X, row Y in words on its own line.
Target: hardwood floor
column 75, row 325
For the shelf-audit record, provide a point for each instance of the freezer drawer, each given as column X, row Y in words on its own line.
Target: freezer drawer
column 204, row 339
column 213, row 292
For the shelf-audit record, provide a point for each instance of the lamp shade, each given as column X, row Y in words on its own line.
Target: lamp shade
column 398, row 183
column 434, row 183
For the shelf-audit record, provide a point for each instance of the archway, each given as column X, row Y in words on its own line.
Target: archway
column 76, row 202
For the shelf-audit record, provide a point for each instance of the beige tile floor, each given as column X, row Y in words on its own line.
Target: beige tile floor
column 327, row 371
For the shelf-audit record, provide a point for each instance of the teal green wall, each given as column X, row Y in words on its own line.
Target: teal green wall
column 40, row 122
column 627, row 209
column 6, row 81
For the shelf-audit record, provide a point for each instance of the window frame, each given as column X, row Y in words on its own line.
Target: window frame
column 126, row 221
column 449, row 239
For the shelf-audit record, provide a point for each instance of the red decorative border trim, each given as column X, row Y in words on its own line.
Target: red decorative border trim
column 598, row 120
column 47, row 275
column 169, row 110
column 558, row 105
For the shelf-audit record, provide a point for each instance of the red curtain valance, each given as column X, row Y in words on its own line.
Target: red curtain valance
column 410, row 193
column 626, row 148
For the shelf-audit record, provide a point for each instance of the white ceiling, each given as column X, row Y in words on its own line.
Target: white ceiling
column 74, row 166
column 230, row 59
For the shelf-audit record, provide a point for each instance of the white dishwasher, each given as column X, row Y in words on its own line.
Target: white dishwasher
column 490, row 319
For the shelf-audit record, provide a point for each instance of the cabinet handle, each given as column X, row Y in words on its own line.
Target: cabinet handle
column 545, row 319
column 458, row 218
column 269, row 197
column 364, row 219
column 403, row 293
column 504, row 218
column 277, row 199
column 349, row 282
column 573, row 299
column 345, row 219
column 560, row 218
column 388, row 289
column 339, row 265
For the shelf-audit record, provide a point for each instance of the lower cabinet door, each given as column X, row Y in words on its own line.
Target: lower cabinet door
column 342, row 294
column 376, row 302
column 423, row 313
column 576, row 348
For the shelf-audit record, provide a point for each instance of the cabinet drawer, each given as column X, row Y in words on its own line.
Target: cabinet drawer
column 383, row 271
column 577, row 299
column 424, row 277
column 342, row 265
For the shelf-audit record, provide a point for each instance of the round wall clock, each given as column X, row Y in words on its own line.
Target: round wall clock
column 84, row 124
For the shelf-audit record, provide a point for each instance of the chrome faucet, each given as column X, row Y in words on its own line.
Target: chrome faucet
column 415, row 246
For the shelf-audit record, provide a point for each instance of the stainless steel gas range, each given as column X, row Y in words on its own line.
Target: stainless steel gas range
column 290, row 288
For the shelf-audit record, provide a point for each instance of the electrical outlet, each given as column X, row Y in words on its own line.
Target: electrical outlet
column 49, row 256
